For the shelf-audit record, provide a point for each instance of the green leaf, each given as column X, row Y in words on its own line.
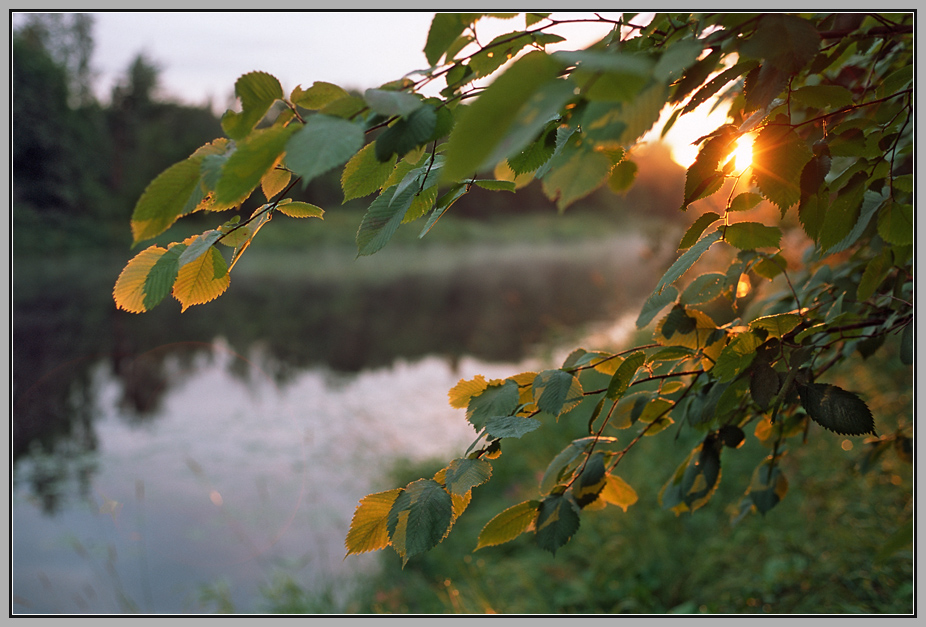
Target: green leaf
column 161, row 277
column 686, row 260
column 199, row 245
column 445, row 28
column 779, row 156
column 768, row 486
column 787, row 42
column 752, row 235
column 736, row 356
column 257, row 92
column 843, row 213
column 165, row 199
column 509, row 524
column 622, row 176
column 254, row 156
column 324, row 143
column 704, row 177
column 389, row 103
column 694, row 231
column 591, row 482
column 776, row 325
column 497, row 52
column 836, row 409
column 495, row 400
column 318, row 96
column 483, row 124
column 744, row 202
column 575, row 172
column 557, row 522
column 703, row 289
column 495, row 186
column 895, row 223
column 624, row 375
column 535, row 154
column 510, row 426
column 364, row 173
column 419, row 518
column 764, row 384
column 676, row 58
column 443, row 204
column 536, row 114
column 823, row 96
column 695, row 480
column 383, row 218
column 656, row 302
column 597, row 61
column 556, row 391
column 465, row 474
column 407, row 133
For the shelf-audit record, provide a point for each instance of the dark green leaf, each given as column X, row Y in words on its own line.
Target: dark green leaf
column 703, row 289
column 736, row 356
column 906, row 345
column 429, row 513
column 495, row 400
column 555, row 390
column 383, row 218
column 786, row 41
column 557, row 522
column 695, row 480
column 162, row 275
column 465, row 474
column 686, row 260
column 407, row 133
column 624, row 375
column 694, row 231
column 836, row 409
column 591, row 482
column 389, row 103
column 510, row 426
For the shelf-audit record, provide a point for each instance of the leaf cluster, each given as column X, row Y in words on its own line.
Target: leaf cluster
column 816, row 235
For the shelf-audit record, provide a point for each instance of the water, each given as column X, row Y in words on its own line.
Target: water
column 161, row 457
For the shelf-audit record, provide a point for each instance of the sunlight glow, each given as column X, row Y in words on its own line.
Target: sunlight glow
column 743, row 152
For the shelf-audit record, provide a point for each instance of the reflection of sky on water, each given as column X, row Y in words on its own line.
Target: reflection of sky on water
column 229, row 483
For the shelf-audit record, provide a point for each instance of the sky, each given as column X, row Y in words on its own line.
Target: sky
column 201, row 54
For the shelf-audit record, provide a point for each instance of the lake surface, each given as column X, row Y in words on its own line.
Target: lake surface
column 159, row 456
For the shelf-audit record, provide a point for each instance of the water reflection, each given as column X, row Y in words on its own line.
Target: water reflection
column 156, row 453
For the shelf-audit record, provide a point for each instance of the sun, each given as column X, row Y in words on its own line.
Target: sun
column 743, row 152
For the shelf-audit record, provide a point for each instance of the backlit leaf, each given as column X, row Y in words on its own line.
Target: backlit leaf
column 624, row 375
column 364, row 173
column 622, row 176
column 368, row 526
column 656, row 302
column 460, row 394
column 509, row 524
column 201, row 280
column 744, row 202
column 686, row 260
column 253, row 158
column 324, row 143
column 129, row 292
column 618, row 492
column 274, row 182
column 736, row 356
column 574, row 173
column 444, row 30
column 694, row 231
column 777, row 325
column 695, row 480
column 166, row 198
column 318, row 95
column 257, row 92
column 483, row 124
column 778, row 157
column 752, row 235
column 298, row 209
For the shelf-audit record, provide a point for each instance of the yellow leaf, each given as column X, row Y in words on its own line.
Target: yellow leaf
column 368, row 530
column 618, row 492
column 509, row 524
column 464, row 390
column 202, row 279
column 300, row 210
column 274, row 182
column 129, row 292
column 525, row 382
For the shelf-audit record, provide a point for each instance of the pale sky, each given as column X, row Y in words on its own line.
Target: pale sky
column 201, row 54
